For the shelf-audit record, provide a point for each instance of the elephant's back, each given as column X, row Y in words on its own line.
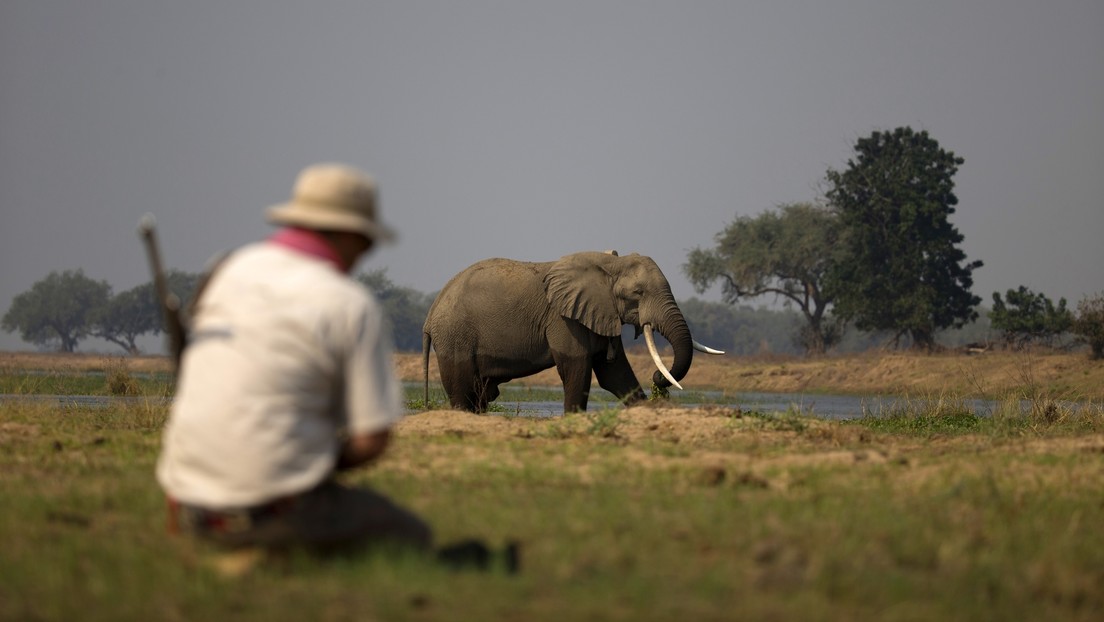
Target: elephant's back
column 489, row 287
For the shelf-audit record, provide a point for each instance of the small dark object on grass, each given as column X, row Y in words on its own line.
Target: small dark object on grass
column 465, row 554
column 474, row 554
column 513, row 557
column 69, row 518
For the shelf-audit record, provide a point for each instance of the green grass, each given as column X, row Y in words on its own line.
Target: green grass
column 912, row 516
column 116, row 380
column 1014, row 415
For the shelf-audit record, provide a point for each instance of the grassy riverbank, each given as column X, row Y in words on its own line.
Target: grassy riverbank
column 638, row 514
column 648, row 513
column 993, row 375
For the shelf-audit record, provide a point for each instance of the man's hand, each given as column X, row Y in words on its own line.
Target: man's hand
column 361, row 449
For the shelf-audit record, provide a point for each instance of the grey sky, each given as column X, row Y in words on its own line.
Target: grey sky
column 536, row 129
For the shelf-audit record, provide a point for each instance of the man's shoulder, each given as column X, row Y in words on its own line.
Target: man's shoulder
column 309, row 276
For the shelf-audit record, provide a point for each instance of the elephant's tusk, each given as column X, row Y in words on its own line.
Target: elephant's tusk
column 655, row 356
column 700, row 348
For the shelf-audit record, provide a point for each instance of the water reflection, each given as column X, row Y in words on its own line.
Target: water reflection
column 548, row 402
column 836, row 407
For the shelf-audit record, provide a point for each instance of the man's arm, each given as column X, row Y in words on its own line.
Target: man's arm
column 360, row 449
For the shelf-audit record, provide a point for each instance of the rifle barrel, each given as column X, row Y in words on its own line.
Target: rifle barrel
column 170, row 303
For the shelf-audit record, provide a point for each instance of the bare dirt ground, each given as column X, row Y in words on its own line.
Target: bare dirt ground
column 993, row 374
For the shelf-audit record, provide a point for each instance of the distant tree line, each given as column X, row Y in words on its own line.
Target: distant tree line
column 875, row 262
column 877, row 253
column 67, row 307
column 878, row 256
column 64, row 308
column 406, row 308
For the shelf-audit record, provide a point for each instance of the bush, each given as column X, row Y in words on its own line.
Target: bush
column 1089, row 324
column 119, row 380
column 1026, row 317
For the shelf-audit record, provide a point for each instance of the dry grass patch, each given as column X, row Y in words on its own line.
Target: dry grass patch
column 70, row 362
column 1067, row 376
column 714, row 445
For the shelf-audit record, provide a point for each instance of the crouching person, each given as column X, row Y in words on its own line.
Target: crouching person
column 286, row 381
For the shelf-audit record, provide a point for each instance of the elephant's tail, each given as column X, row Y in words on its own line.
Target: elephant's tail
column 427, row 341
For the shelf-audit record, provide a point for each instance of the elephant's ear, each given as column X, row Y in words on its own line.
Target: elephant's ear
column 579, row 288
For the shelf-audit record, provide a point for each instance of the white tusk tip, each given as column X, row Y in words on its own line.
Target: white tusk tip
column 706, row 349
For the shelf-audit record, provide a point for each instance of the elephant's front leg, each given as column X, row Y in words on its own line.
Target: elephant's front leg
column 575, row 373
column 616, row 375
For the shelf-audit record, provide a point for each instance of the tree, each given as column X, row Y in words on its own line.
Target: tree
column 901, row 269
column 741, row 329
column 127, row 315
column 137, row 311
column 182, row 284
column 1028, row 317
column 56, row 311
column 406, row 308
column 1089, row 324
column 786, row 252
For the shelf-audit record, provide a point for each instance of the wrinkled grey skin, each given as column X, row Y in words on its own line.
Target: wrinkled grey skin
column 502, row 319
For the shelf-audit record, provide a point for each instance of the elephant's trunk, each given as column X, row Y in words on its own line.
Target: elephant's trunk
column 673, row 328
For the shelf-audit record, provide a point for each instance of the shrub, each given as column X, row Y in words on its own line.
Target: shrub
column 119, row 380
column 1089, row 324
column 1026, row 317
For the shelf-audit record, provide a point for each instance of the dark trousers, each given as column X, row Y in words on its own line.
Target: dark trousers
column 326, row 518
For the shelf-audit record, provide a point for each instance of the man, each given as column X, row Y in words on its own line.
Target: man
column 286, row 380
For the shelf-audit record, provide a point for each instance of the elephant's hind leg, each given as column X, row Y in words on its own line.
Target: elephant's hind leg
column 466, row 390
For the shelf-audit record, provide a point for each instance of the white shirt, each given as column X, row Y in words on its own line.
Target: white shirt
column 287, row 352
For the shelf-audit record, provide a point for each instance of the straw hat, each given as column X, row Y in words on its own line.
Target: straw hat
column 333, row 197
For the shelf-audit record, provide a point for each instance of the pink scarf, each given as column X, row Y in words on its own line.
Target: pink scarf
column 309, row 243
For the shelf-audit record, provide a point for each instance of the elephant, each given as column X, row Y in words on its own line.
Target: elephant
column 501, row 319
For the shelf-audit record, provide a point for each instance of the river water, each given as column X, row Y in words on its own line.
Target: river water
column 811, row 405
column 814, row 405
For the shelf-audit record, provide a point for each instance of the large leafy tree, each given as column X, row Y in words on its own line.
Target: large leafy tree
column 57, row 311
column 786, row 252
column 127, row 315
column 901, row 269
column 136, row 311
column 1024, row 317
